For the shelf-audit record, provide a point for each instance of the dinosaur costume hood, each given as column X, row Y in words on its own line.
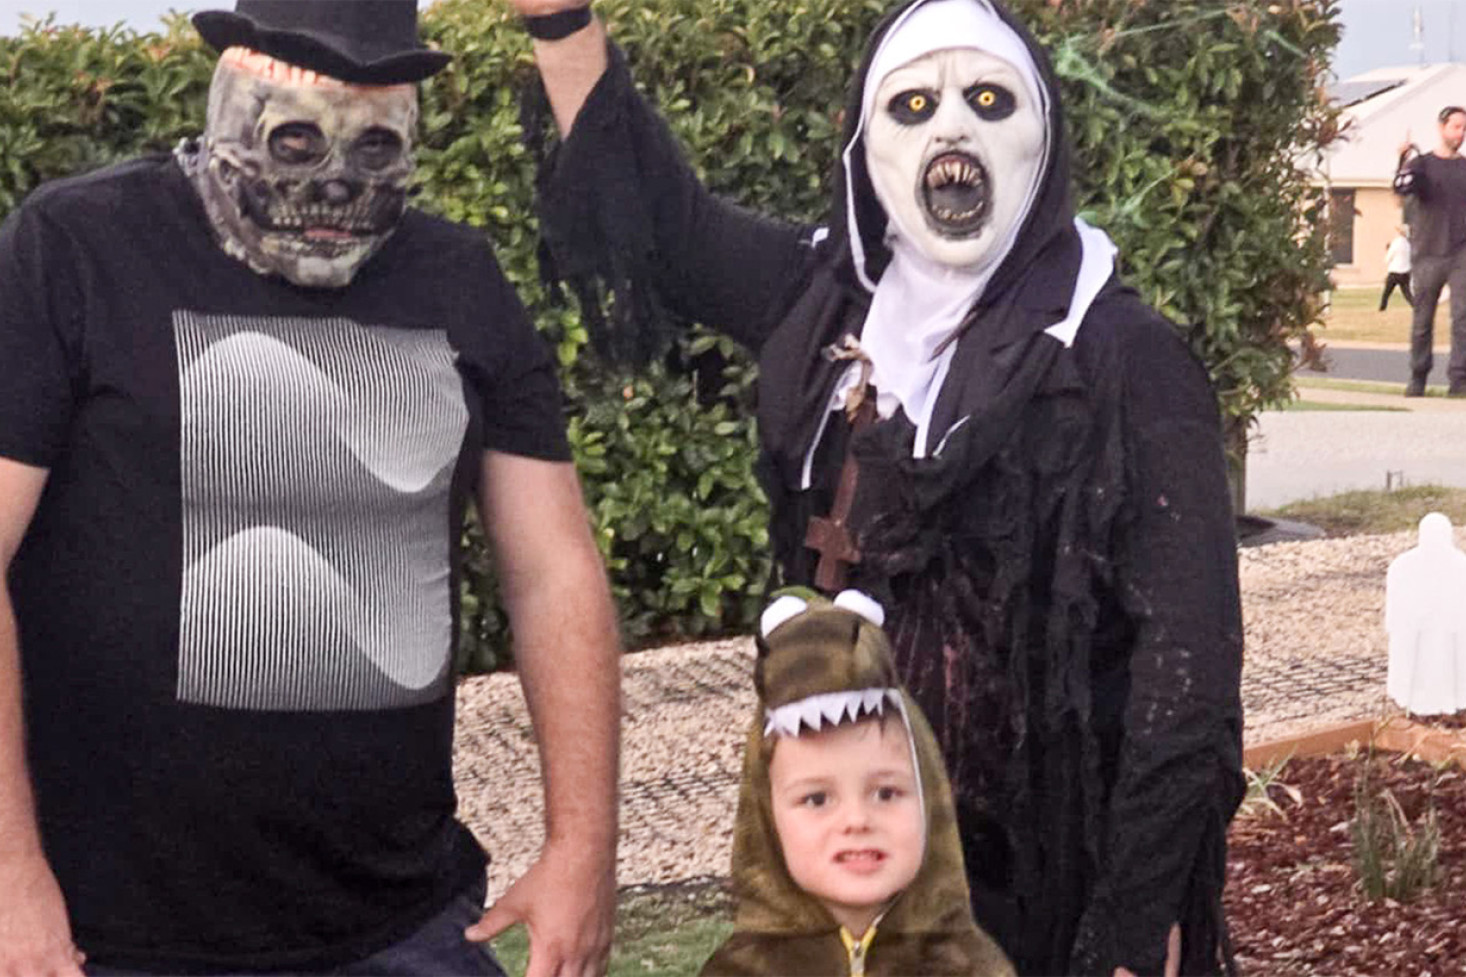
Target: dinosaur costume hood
column 825, row 665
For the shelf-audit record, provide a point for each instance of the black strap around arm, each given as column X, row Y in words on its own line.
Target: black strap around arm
column 557, row 26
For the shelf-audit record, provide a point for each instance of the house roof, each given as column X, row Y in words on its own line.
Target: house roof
column 1380, row 108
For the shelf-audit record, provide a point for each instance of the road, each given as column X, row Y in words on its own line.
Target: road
column 1300, row 454
column 1389, row 365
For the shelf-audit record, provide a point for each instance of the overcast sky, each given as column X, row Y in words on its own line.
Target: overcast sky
column 1377, row 33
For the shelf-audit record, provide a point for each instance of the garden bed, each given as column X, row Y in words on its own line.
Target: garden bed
column 1293, row 898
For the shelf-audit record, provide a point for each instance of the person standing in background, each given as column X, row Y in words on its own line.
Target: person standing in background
column 1437, row 181
column 1397, row 268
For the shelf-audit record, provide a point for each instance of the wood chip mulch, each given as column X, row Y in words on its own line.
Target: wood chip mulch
column 1457, row 721
column 1293, row 902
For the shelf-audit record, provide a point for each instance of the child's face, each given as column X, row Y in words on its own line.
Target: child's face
column 849, row 816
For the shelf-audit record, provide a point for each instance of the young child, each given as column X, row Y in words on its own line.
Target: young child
column 846, row 859
column 1397, row 267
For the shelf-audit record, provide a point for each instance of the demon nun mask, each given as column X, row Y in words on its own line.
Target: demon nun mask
column 304, row 165
column 955, row 133
column 956, row 141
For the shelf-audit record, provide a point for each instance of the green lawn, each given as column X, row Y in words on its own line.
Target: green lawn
column 669, row 931
column 1364, row 513
column 1354, row 316
column 1354, row 386
column 1304, row 381
column 1309, row 405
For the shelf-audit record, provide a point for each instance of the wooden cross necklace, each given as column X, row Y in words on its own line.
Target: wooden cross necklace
column 830, row 535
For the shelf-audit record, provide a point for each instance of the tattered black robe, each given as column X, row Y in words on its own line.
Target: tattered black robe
column 1061, row 573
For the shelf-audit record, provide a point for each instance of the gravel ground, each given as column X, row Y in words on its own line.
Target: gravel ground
column 1316, row 654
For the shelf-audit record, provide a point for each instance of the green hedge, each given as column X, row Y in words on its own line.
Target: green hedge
column 1189, row 119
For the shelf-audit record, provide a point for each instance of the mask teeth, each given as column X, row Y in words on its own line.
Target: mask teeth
column 355, row 218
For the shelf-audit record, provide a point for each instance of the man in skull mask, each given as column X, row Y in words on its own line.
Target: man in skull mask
column 1041, row 499
column 247, row 394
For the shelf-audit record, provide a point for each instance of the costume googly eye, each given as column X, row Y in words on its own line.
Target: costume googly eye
column 780, row 611
column 789, row 606
column 863, row 604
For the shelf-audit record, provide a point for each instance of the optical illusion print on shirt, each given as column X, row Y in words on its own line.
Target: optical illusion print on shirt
column 317, row 462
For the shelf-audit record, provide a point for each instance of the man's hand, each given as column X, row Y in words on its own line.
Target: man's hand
column 35, row 936
column 1173, row 955
column 567, row 901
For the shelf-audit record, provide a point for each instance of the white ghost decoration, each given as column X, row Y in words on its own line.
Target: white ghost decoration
column 1425, row 617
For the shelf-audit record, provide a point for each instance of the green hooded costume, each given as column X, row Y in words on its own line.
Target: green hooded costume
column 830, row 664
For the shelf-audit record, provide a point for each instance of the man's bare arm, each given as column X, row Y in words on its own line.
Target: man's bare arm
column 566, row 650
column 35, row 935
column 570, row 66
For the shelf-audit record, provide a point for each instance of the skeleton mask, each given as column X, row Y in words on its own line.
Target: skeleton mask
column 955, row 147
column 303, row 176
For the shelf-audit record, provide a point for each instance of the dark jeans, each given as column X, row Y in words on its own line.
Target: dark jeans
column 1429, row 276
column 436, row 949
column 1400, row 278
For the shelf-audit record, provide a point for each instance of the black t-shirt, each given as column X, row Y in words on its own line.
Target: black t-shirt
column 1438, row 226
column 237, row 598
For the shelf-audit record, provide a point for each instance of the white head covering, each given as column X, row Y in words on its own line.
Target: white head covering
column 919, row 303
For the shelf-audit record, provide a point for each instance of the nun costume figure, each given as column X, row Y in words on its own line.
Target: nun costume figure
column 1041, row 501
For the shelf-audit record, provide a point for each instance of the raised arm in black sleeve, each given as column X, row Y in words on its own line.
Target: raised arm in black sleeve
column 1407, row 181
column 619, row 203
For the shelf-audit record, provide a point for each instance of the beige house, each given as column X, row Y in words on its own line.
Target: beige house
column 1382, row 108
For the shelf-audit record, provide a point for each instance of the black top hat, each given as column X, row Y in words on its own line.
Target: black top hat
column 365, row 42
